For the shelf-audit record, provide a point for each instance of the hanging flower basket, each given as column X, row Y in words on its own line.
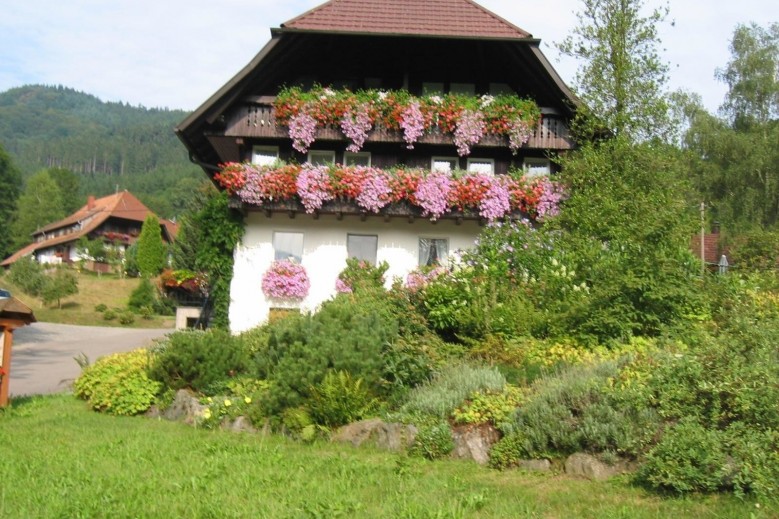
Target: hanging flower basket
column 286, row 280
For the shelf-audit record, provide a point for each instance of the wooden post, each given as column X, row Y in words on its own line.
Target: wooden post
column 13, row 314
column 5, row 365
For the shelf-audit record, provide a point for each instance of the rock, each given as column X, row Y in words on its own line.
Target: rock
column 590, row 467
column 185, row 407
column 389, row 436
column 240, row 424
column 535, row 465
column 474, row 442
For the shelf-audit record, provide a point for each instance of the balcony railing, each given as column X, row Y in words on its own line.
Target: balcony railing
column 255, row 118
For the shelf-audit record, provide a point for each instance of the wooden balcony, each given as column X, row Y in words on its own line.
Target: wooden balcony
column 256, row 119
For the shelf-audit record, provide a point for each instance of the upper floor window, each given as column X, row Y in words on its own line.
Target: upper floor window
column 432, row 251
column 362, row 246
column 447, row 164
column 536, row 167
column 431, row 88
column 486, row 166
column 321, row 157
column 362, row 158
column 265, row 155
column 288, row 246
column 497, row 89
column 468, row 89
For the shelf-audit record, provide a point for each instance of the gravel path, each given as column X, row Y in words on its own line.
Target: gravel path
column 42, row 356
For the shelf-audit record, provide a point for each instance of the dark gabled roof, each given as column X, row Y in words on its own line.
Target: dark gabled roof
column 453, row 18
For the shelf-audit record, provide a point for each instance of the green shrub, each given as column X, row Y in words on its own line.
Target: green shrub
column 100, row 308
column 126, row 318
column 28, row 275
column 144, row 295
column 508, row 451
column 689, row 458
column 109, row 315
column 340, row 399
column 361, row 276
column 755, row 460
column 493, row 407
column 453, row 385
column 433, row 441
column 196, row 359
column 118, row 384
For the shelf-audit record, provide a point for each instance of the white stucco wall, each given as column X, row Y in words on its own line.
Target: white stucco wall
column 324, row 255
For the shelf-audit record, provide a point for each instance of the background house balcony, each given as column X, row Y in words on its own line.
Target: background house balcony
column 255, row 119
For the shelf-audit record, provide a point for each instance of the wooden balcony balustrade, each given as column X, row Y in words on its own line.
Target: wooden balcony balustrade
column 255, row 119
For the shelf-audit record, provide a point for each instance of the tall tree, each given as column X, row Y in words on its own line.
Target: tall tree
column 152, row 252
column 622, row 78
column 10, row 186
column 39, row 205
column 69, row 185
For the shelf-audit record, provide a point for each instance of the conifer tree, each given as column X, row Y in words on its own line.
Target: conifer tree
column 152, row 252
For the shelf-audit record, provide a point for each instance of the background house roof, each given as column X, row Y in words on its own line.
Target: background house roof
column 462, row 18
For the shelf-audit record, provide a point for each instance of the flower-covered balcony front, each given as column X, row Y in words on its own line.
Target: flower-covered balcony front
column 374, row 116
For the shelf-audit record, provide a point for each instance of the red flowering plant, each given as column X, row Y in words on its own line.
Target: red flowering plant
column 466, row 118
column 371, row 189
column 184, row 280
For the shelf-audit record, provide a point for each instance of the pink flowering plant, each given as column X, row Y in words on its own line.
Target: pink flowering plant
column 371, row 189
column 466, row 118
column 286, row 279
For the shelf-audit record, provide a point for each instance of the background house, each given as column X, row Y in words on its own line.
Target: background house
column 424, row 48
column 117, row 219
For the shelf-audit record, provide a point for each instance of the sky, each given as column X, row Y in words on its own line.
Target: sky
column 177, row 53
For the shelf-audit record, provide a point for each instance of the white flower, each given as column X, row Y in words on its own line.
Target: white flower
column 486, row 100
column 436, row 99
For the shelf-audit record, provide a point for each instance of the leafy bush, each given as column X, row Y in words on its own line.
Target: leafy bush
column 109, row 315
column 144, row 295
column 689, row 458
column 360, row 275
column 493, row 407
column 195, row 359
column 28, row 275
column 340, row 399
column 450, row 388
column 433, row 441
column 100, row 308
column 126, row 318
column 118, row 384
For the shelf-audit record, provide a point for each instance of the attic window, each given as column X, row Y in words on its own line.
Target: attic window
column 265, row 155
column 536, row 167
column 321, row 157
column 486, row 166
column 362, row 158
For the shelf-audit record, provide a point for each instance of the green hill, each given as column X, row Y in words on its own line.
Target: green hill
column 109, row 146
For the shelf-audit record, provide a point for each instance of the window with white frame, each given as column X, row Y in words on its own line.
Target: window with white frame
column 446, row 164
column 265, row 155
column 362, row 158
column 432, row 251
column 362, row 246
column 467, row 89
column 536, row 167
column 321, row 157
column 288, row 246
column 486, row 166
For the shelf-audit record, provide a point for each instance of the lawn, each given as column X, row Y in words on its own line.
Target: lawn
column 58, row 459
column 110, row 290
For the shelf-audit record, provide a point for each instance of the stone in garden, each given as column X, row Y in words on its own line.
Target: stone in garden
column 474, row 442
column 388, row 436
column 590, row 467
column 185, row 407
column 240, row 424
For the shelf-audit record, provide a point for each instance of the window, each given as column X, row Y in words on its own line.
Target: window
column 500, row 89
column 362, row 246
column 362, row 158
column 468, row 89
column 535, row 167
column 444, row 164
column 432, row 88
column 265, row 155
column 432, row 251
column 321, row 157
column 288, row 245
column 486, row 166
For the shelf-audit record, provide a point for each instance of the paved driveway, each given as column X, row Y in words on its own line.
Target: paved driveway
column 42, row 356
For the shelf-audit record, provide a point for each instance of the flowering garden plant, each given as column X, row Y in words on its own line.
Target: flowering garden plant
column 371, row 189
column 185, row 280
column 466, row 118
column 286, row 279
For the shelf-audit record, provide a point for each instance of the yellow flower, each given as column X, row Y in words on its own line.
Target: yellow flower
column 209, row 400
column 228, row 403
column 248, row 400
column 207, row 414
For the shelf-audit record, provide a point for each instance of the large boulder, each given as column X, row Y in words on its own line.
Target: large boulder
column 474, row 442
column 588, row 466
column 388, row 436
column 185, row 407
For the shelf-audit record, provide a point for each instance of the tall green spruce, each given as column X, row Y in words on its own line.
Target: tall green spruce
column 40, row 204
column 10, row 187
column 152, row 252
column 626, row 219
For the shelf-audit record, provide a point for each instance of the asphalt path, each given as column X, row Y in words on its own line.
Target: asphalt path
column 43, row 354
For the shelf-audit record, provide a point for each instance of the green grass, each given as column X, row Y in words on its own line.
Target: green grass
column 108, row 289
column 57, row 459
